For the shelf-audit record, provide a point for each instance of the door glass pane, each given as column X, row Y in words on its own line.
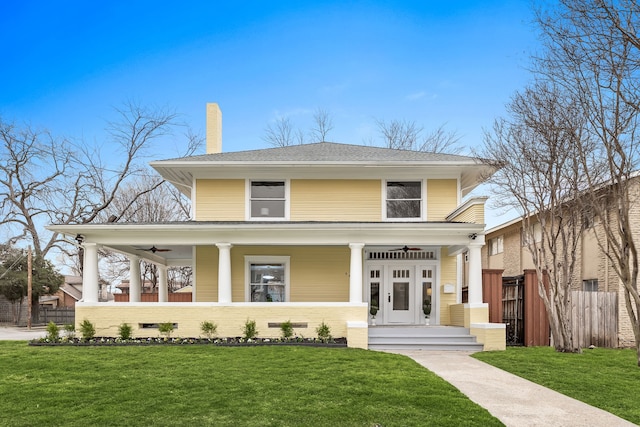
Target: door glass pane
column 375, row 295
column 426, row 298
column 401, row 295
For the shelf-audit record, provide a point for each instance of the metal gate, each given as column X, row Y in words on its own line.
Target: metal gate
column 513, row 309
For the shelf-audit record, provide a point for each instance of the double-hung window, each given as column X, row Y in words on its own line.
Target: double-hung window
column 267, row 278
column 404, row 200
column 268, row 200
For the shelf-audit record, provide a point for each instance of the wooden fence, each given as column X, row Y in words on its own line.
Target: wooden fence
column 153, row 297
column 59, row 316
column 595, row 318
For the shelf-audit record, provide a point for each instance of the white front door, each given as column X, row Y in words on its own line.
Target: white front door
column 401, row 291
column 400, row 298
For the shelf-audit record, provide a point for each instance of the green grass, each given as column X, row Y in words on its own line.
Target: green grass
column 605, row 378
column 238, row 386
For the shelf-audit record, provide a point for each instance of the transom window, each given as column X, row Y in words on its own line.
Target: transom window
column 267, row 279
column 404, row 200
column 267, row 200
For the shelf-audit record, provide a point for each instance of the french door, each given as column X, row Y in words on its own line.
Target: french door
column 402, row 292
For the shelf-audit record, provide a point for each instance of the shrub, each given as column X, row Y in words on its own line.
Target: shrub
column 53, row 332
column 87, row 330
column 209, row 329
column 125, row 331
column 324, row 332
column 70, row 330
column 166, row 328
column 287, row 329
column 249, row 331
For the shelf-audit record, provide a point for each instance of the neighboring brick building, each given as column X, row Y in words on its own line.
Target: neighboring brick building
column 504, row 250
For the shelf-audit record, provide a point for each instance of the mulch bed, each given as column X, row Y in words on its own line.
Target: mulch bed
column 223, row 342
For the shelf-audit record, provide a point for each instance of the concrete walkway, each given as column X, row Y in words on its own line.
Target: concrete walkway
column 17, row 333
column 513, row 400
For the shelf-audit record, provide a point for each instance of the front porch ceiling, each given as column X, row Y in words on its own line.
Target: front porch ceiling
column 179, row 238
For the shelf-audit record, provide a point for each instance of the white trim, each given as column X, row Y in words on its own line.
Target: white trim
column 275, row 259
column 193, row 274
column 423, row 203
column 193, row 199
column 217, row 304
column 287, row 200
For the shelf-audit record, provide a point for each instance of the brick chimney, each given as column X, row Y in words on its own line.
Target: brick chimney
column 214, row 128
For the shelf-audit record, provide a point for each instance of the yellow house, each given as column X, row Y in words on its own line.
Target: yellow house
column 309, row 234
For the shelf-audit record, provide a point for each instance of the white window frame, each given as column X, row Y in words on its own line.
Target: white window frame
column 532, row 234
column 287, row 198
column 266, row 259
column 423, row 200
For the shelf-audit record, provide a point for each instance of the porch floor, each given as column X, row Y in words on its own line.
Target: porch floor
column 422, row 337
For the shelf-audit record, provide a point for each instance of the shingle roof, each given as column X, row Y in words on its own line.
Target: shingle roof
column 325, row 152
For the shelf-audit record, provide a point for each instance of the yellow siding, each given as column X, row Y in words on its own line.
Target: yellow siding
column 230, row 319
column 318, row 273
column 220, row 200
column 474, row 214
column 448, row 274
column 336, row 200
column 206, row 274
column 442, row 198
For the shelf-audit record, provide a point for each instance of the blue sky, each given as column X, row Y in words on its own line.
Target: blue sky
column 66, row 64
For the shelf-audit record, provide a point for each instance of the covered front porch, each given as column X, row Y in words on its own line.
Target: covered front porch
column 327, row 275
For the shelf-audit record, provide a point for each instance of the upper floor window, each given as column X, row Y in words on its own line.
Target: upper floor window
column 268, row 200
column 404, row 200
column 496, row 245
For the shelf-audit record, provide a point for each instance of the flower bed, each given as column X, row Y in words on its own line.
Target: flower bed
column 234, row 341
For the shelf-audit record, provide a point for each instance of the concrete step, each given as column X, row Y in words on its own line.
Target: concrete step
column 422, row 338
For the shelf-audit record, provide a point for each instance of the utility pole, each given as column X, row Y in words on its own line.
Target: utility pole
column 29, row 287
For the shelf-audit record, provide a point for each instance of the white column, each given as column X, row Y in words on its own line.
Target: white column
column 90, row 287
column 224, row 272
column 163, row 285
column 134, row 279
column 475, row 272
column 355, row 273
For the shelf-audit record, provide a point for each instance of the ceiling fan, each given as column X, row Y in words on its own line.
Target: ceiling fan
column 406, row 249
column 153, row 249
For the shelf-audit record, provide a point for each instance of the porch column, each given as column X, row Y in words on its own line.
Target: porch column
column 224, row 272
column 475, row 272
column 355, row 273
column 90, row 286
column 163, row 286
column 134, row 279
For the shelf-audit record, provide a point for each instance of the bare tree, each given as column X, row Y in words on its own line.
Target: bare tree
column 541, row 177
column 45, row 180
column 399, row 135
column 163, row 204
column 441, row 140
column 323, row 124
column 280, row 133
column 407, row 135
column 593, row 51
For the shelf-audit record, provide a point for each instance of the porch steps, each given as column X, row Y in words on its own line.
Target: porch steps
column 422, row 338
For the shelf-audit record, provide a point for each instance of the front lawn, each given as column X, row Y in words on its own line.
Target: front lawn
column 238, row 386
column 605, row 378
